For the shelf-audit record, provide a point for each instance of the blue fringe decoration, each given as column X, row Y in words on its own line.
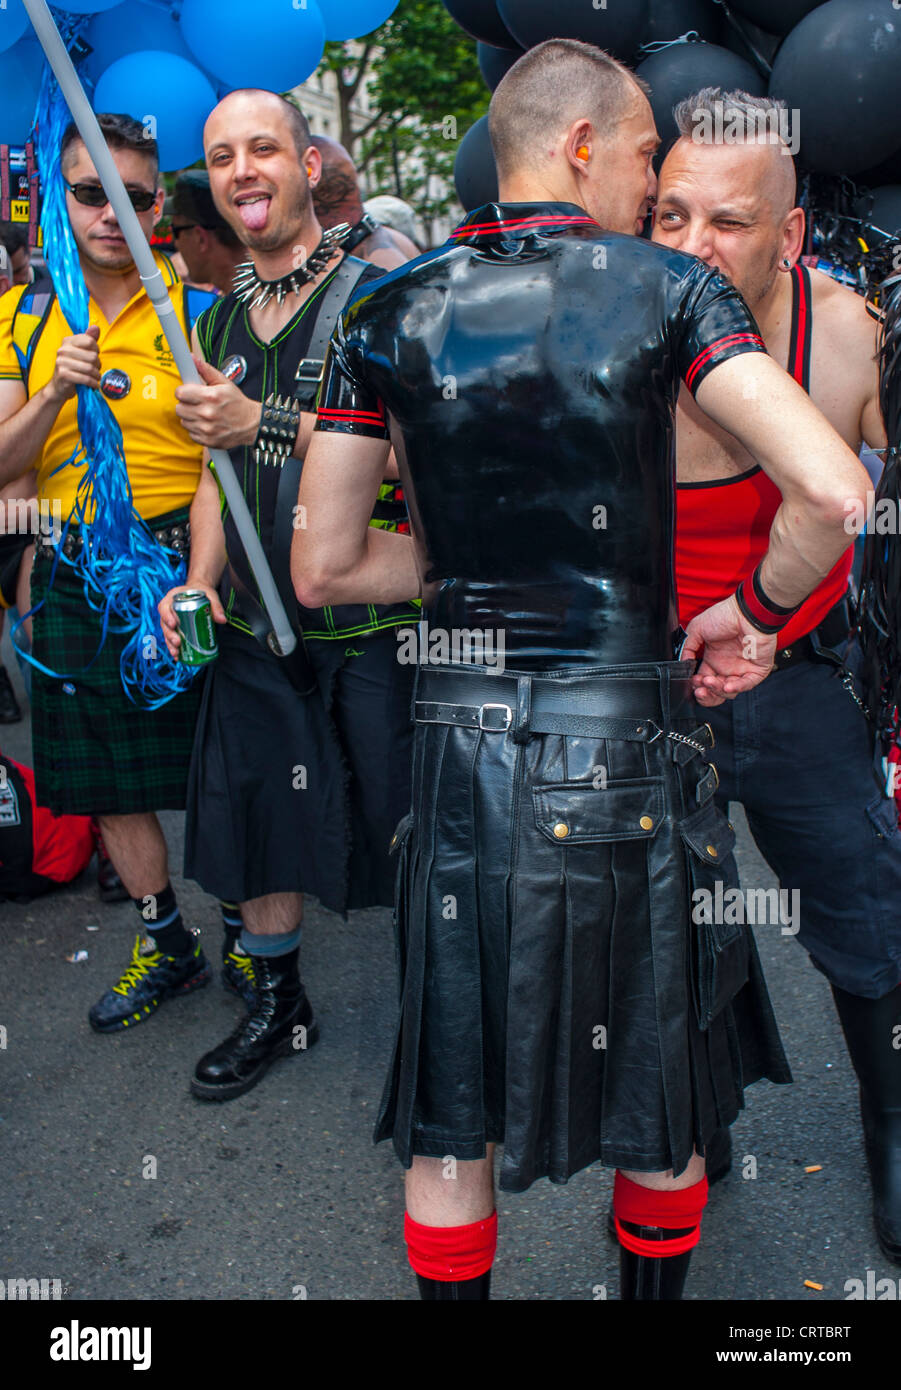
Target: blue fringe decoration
column 125, row 569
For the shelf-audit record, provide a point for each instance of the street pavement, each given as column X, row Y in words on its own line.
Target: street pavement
column 281, row 1194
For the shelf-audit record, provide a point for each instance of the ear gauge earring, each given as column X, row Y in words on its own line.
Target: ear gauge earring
column 786, row 263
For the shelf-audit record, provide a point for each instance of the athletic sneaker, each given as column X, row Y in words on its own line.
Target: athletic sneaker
column 149, row 980
column 237, row 976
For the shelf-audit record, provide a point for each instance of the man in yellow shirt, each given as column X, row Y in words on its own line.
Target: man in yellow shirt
column 95, row 751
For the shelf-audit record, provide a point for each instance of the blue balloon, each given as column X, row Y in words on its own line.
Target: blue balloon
column 351, row 19
column 129, row 28
column 85, row 6
column 267, row 43
column 168, row 88
column 13, row 23
column 20, row 83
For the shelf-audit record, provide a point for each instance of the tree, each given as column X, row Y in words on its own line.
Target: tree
column 422, row 80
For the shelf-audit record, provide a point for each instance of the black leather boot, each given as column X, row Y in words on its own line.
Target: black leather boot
column 265, row 1033
column 872, row 1029
column 455, row 1291
column 641, row 1277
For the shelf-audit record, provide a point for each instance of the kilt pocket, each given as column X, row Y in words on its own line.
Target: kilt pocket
column 583, row 813
column 719, row 951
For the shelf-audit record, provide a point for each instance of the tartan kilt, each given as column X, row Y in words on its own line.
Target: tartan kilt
column 94, row 751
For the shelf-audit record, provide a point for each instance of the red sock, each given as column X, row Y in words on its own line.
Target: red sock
column 670, row 1210
column 451, row 1253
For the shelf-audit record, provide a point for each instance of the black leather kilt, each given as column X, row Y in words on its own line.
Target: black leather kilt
column 557, row 995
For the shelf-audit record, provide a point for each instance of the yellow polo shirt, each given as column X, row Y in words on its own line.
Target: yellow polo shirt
column 163, row 462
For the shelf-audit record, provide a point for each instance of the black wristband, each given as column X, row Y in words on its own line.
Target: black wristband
column 761, row 612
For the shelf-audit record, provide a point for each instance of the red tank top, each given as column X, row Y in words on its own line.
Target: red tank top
column 723, row 527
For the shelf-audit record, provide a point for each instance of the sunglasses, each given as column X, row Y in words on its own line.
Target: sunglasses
column 93, row 195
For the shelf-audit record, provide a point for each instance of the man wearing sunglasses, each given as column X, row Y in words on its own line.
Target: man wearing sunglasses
column 95, row 752
column 209, row 247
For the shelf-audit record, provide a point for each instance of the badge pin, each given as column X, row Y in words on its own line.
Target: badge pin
column 115, row 384
column 235, row 368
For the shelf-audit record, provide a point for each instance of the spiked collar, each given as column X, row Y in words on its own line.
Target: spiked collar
column 248, row 285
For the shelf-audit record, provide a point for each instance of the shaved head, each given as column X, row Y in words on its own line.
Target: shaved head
column 553, row 85
column 245, row 99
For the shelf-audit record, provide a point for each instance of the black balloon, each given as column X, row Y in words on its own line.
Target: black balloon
column 481, row 21
column 882, row 209
column 683, row 68
column 617, row 29
column 475, row 172
column 841, row 68
column 670, row 19
column 495, row 62
column 776, row 16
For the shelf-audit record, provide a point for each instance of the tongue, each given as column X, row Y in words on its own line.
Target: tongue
column 254, row 215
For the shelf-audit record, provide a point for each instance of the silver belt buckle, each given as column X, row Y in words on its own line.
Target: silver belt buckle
column 489, row 728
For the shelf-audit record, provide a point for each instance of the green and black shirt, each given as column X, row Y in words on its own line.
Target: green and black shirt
column 224, row 331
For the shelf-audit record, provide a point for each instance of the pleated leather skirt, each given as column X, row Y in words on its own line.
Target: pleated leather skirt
column 563, row 989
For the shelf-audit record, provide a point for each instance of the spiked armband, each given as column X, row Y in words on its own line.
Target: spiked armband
column 276, row 436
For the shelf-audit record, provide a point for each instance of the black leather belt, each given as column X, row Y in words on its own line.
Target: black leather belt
column 619, row 706
column 177, row 538
column 817, row 645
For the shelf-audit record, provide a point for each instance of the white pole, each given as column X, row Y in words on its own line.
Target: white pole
column 152, row 280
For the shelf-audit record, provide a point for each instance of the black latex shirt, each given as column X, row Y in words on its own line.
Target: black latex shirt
column 527, row 374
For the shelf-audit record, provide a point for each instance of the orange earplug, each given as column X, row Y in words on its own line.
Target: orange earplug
column 583, row 153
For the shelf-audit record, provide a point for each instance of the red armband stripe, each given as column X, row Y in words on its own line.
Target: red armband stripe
column 730, row 340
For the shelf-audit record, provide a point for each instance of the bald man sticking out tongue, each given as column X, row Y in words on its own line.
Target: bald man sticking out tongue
column 794, row 750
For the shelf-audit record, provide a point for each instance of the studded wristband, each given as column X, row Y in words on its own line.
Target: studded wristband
column 277, row 434
column 760, row 611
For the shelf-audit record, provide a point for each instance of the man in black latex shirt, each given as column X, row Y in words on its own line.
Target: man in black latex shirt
column 560, row 994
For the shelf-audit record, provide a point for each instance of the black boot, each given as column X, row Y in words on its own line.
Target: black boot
column 10, row 713
column 871, row 1028
column 266, row 1032
column 476, row 1290
column 641, row 1277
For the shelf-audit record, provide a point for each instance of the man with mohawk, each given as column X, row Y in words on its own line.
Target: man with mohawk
column 301, row 765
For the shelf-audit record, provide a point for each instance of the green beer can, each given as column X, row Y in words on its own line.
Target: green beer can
column 194, row 612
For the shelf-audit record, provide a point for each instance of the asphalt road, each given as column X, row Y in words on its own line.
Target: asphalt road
column 280, row 1194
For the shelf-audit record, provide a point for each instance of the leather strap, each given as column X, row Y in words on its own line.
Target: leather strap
column 495, row 717
column 616, row 694
column 309, row 370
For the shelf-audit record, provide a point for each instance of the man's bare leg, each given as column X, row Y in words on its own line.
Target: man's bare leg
column 440, row 1194
column 451, row 1226
column 659, row 1219
column 277, row 914
column 137, row 847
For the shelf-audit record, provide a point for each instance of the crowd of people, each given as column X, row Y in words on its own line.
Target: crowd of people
column 543, row 828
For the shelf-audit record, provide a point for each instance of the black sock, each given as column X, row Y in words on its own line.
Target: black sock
column 231, row 926
column 162, row 921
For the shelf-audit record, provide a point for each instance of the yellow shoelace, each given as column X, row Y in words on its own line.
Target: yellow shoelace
column 139, row 967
